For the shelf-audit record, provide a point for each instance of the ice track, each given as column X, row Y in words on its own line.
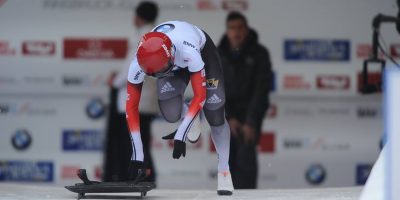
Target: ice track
column 40, row 192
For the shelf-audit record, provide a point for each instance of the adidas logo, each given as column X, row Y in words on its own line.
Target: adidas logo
column 167, row 87
column 214, row 99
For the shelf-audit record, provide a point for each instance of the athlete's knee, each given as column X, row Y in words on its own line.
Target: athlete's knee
column 171, row 109
column 215, row 117
column 170, row 116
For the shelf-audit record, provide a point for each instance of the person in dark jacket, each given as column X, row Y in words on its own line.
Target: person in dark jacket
column 248, row 77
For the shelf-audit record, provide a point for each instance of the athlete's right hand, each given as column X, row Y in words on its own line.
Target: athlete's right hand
column 179, row 149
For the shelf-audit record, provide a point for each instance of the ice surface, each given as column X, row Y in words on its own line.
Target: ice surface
column 10, row 191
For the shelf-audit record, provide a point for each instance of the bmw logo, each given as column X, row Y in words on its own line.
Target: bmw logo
column 21, row 140
column 164, row 28
column 315, row 174
column 95, row 109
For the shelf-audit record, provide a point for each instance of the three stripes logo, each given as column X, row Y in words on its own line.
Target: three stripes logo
column 167, row 87
column 214, row 99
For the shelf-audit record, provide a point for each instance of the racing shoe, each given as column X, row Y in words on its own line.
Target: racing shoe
column 225, row 186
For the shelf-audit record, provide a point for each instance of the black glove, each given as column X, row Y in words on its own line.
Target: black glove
column 179, row 149
column 179, row 146
column 136, row 171
column 170, row 136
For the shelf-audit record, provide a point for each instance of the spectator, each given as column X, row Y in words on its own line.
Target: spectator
column 247, row 74
column 118, row 146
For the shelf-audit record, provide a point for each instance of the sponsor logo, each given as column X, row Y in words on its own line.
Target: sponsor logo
column 298, row 111
column 335, row 111
column 208, row 5
column 82, row 80
column 167, row 87
column 6, row 80
column 38, row 48
column 214, row 99
column 395, row 50
column 95, row 48
column 137, row 75
column 6, row 49
column 111, row 5
column 82, row 140
column 241, row 5
column 295, row 82
column 95, row 109
column 25, row 109
column 267, row 143
column 362, row 173
column 333, row 82
column 164, row 28
column 315, row 174
column 316, row 50
column 212, row 84
column 166, row 50
column 69, row 171
column 364, row 51
column 368, row 112
column 189, row 44
column 39, row 80
column 317, row 143
column 21, row 140
column 26, row 171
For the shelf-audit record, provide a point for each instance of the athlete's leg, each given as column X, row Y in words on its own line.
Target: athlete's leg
column 214, row 111
column 170, row 95
column 214, row 107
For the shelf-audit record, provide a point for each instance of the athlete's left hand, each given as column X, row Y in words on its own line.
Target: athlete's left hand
column 179, row 146
column 179, row 149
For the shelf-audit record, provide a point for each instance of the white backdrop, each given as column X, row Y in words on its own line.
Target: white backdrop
column 317, row 116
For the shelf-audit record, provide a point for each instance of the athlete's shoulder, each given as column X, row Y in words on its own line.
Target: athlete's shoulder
column 136, row 74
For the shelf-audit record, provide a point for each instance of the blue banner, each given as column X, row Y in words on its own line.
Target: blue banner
column 82, row 140
column 26, row 171
column 316, row 50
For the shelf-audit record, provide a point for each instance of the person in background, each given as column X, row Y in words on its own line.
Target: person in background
column 118, row 144
column 247, row 72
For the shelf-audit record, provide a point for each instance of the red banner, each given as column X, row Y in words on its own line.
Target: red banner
column 38, row 48
column 95, row 48
column 333, row 82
